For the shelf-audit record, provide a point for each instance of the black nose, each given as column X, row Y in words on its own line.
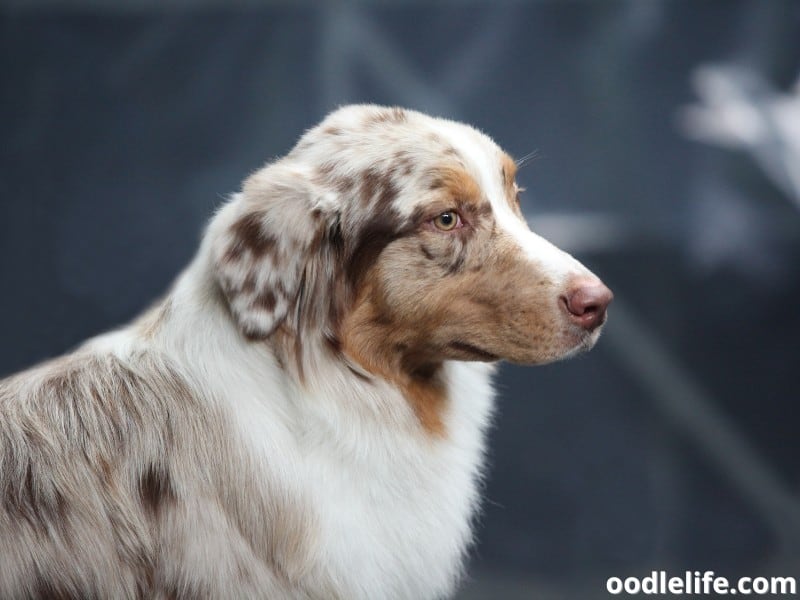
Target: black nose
column 586, row 302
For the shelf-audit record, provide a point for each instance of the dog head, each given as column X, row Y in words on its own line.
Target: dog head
column 400, row 237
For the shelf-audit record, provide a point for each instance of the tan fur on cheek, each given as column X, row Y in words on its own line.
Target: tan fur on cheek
column 385, row 348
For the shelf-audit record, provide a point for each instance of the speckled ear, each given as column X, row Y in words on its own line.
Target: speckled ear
column 261, row 254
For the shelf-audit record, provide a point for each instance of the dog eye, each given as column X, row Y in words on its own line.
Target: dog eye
column 447, row 220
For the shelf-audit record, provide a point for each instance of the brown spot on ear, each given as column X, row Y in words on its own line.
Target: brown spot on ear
column 265, row 300
column 331, row 130
column 248, row 234
column 155, row 489
column 249, row 284
column 326, row 176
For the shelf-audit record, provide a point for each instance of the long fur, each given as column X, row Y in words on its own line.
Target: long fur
column 303, row 415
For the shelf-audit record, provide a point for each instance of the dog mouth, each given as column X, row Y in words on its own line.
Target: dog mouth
column 572, row 341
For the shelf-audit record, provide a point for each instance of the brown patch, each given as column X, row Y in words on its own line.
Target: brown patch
column 155, row 489
column 383, row 228
column 428, row 399
column 331, row 130
column 378, row 187
column 248, row 234
column 326, row 176
column 456, row 183
column 265, row 300
column 253, row 334
column 370, row 180
column 249, row 284
column 372, row 339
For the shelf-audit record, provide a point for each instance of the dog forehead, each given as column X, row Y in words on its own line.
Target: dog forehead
column 477, row 153
column 395, row 155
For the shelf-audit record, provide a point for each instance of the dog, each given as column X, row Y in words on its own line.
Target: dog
column 304, row 414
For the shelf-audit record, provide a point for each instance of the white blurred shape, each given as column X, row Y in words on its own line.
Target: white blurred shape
column 738, row 109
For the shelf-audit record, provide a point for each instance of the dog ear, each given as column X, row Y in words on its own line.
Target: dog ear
column 264, row 246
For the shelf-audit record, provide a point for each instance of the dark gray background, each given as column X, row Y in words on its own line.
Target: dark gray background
column 673, row 445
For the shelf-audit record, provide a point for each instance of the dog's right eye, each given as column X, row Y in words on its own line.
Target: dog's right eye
column 447, row 221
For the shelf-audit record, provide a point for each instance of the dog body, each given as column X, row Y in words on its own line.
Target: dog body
column 303, row 416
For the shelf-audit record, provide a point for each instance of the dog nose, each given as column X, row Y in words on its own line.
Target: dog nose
column 586, row 302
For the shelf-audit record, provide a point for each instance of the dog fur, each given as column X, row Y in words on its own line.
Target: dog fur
column 303, row 415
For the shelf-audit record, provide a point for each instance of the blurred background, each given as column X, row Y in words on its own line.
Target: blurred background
column 667, row 136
